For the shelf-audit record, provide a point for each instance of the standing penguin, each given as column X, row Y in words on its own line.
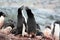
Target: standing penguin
column 55, row 31
column 2, row 18
column 31, row 22
column 20, row 22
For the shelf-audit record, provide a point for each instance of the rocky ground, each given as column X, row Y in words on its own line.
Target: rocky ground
column 6, row 35
column 12, row 37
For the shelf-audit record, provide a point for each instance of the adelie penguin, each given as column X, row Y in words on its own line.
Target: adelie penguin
column 31, row 22
column 39, row 33
column 2, row 18
column 55, row 31
column 9, row 23
column 20, row 22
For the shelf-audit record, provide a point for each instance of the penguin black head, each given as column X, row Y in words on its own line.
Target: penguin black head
column 58, row 22
column 39, row 34
column 48, row 27
column 20, row 10
column 29, row 12
column 10, row 22
column 2, row 14
column 12, row 25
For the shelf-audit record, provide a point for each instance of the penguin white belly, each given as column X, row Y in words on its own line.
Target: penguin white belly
column 56, row 33
column 1, row 21
column 23, row 30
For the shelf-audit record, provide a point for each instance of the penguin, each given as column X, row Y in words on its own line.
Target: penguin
column 9, row 23
column 20, row 22
column 2, row 18
column 31, row 22
column 55, row 31
column 47, row 32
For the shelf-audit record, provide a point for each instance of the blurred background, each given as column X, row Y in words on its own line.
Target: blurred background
column 45, row 11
